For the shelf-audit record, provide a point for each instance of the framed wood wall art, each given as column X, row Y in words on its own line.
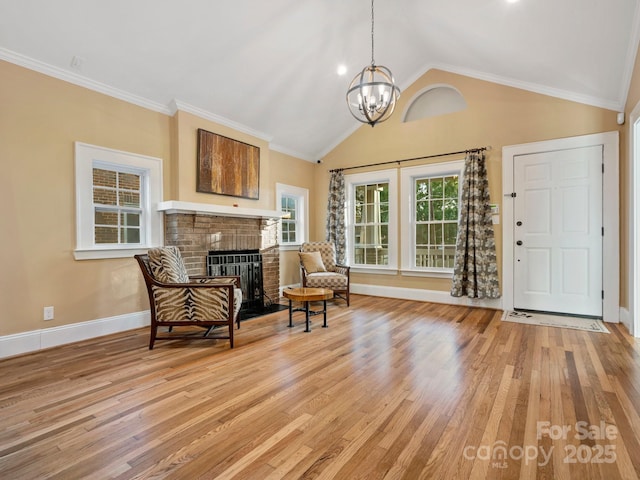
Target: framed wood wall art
column 227, row 166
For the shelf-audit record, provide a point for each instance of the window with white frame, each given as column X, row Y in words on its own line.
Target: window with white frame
column 372, row 220
column 293, row 203
column 431, row 227
column 117, row 194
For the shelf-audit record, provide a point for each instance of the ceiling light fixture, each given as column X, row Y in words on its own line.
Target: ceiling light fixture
column 372, row 94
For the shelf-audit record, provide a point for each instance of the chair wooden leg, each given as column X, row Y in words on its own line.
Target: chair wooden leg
column 152, row 337
column 231, row 333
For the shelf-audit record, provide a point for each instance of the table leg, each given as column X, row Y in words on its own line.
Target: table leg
column 306, row 312
column 324, row 325
column 290, row 315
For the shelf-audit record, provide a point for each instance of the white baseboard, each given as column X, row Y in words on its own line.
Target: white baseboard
column 26, row 342
column 434, row 296
column 284, row 287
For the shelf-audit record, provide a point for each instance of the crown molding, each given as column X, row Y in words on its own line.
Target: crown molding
column 529, row 86
column 176, row 105
column 80, row 80
column 292, row 153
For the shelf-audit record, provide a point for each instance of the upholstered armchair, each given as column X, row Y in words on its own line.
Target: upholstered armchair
column 179, row 300
column 318, row 269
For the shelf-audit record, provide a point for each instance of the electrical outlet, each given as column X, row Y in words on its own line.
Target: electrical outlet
column 48, row 313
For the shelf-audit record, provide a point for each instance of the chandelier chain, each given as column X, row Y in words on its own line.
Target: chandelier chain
column 372, row 59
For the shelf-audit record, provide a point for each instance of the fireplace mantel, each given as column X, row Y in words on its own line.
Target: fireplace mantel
column 175, row 206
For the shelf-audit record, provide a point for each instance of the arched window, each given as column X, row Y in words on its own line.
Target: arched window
column 433, row 101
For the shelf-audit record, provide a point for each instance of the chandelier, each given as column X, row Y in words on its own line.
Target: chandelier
column 372, row 94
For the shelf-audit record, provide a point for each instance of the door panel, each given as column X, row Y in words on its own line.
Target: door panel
column 558, row 231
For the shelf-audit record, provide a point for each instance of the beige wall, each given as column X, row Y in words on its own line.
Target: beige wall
column 496, row 115
column 291, row 171
column 40, row 119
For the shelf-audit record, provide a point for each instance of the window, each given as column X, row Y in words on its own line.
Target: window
column 293, row 202
column 117, row 194
column 117, row 207
column 429, row 235
column 372, row 220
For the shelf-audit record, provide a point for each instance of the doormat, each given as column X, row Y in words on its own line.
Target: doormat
column 575, row 323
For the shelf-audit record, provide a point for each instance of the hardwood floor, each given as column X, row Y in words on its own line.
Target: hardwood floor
column 392, row 389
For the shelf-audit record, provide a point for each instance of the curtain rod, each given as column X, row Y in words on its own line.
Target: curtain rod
column 469, row 150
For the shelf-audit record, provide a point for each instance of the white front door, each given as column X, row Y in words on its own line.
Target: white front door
column 557, row 231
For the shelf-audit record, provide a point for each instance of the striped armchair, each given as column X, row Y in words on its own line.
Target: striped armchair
column 329, row 275
column 176, row 299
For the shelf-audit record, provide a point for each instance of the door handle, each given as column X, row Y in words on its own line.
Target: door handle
column 519, row 242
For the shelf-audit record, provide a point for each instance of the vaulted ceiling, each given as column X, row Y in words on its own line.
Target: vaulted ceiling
column 269, row 67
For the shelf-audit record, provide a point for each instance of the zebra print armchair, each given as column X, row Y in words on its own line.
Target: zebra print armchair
column 177, row 300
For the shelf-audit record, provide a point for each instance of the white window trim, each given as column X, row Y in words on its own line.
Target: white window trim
column 407, row 208
column 303, row 202
column 380, row 176
column 86, row 156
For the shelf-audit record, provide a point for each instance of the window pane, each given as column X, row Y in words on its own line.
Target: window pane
column 130, row 219
column 104, row 178
column 383, row 188
column 451, row 209
column 359, row 235
column 451, row 187
column 437, row 189
column 422, row 189
column 292, row 236
column 360, row 190
column 436, row 210
column 129, row 199
column 104, row 196
column 422, row 234
column 384, row 213
column 130, row 235
column 359, row 255
column 106, row 235
column 383, row 235
column 129, row 181
column 106, row 218
column 359, row 218
column 422, row 211
column 449, row 256
column 450, row 233
column 370, row 216
column 371, row 190
column 435, row 234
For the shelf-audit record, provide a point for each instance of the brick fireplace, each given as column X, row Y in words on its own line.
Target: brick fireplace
column 198, row 229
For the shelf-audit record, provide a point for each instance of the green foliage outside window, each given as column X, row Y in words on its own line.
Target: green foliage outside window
column 371, row 224
column 436, row 221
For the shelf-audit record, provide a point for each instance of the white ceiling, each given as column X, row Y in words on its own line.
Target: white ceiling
column 269, row 67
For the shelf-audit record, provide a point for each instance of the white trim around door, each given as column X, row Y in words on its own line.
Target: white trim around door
column 634, row 224
column 611, row 220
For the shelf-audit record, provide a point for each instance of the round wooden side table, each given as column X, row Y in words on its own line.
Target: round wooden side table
column 306, row 295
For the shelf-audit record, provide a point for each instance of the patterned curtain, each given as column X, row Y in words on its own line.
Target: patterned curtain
column 336, row 214
column 475, row 272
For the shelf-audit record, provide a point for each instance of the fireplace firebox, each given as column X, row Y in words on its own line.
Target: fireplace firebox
column 247, row 264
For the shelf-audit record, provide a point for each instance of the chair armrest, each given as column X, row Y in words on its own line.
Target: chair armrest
column 343, row 269
column 217, row 280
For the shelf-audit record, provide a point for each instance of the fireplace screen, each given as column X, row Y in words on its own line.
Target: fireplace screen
column 247, row 264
